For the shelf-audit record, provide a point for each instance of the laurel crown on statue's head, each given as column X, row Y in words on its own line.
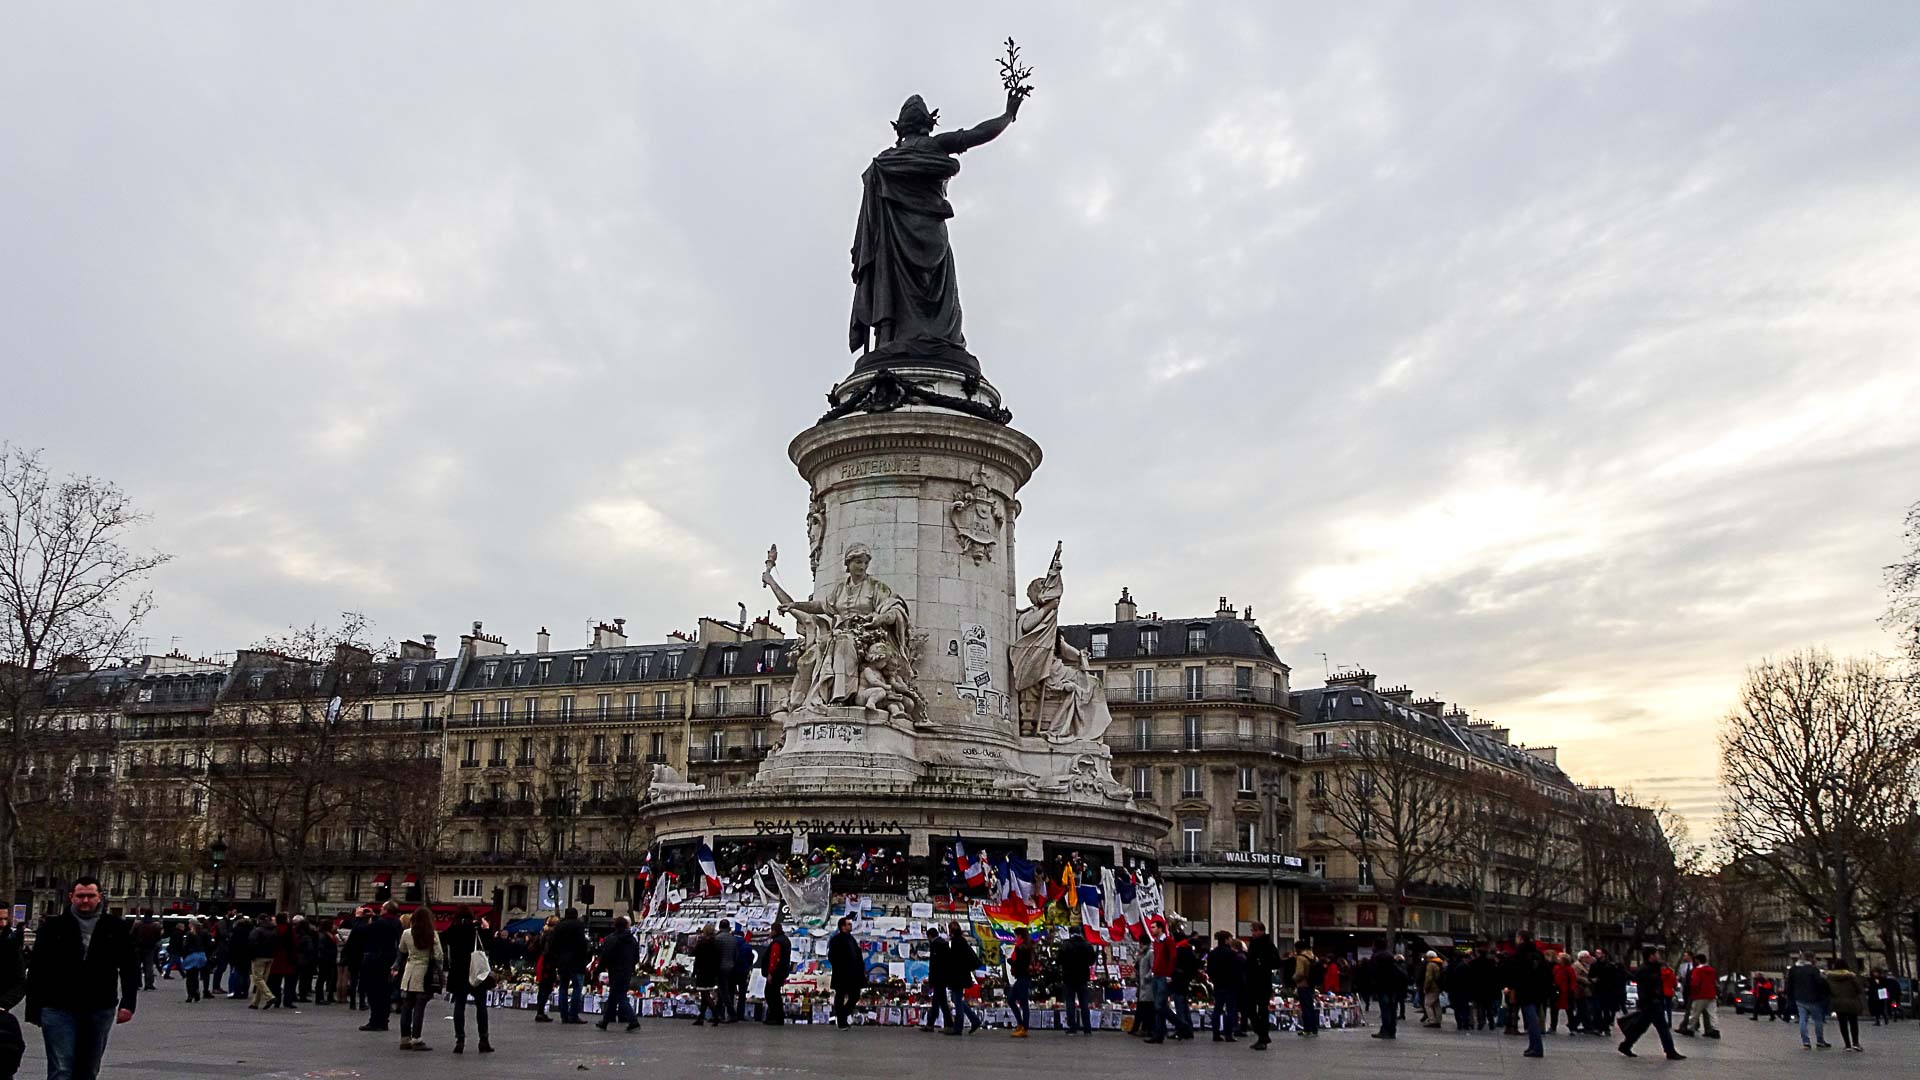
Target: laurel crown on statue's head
column 916, row 118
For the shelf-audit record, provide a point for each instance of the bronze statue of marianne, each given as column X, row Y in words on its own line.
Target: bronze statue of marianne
column 906, row 300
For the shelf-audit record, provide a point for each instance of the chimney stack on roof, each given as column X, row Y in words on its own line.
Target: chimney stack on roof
column 543, row 641
column 1124, row 609
column 610, row 636
column 479, row 643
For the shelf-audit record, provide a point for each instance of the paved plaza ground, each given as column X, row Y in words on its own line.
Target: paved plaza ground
column 223, row 1039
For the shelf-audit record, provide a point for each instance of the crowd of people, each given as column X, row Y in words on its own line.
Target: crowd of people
column 87, row 968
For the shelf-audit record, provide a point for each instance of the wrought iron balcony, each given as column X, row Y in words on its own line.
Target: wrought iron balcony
column 1123, row 693
column 1202, row 742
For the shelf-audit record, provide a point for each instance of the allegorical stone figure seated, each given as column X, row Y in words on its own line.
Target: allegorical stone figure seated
column 1058, row 695
column 854, row 642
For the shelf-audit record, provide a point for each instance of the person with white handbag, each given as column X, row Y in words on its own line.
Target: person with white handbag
column 469, row 974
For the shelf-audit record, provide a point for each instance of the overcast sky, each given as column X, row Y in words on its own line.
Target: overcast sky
column 1554, row 360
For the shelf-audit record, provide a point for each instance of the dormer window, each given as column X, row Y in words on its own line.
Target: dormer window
column 579, row 668
column 406, row 678
column 435, row 675
column 519, row 670
column 614, row 664
column 729, row 661
column 544, row 671
column 1149, row 641
column 488, row 672
column 1097, row 645
column 1196, row 639
column 670, row 667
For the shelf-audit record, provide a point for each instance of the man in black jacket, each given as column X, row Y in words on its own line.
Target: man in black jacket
column 1651, row 979
column 1530, row 978
column 1390, row 982
column 849, row 971
column 1077, row 958
column 83, row 980
column 379, row 947
column 1226, row 972
column 567, row 953
column 1263, row 958
column 619, row 955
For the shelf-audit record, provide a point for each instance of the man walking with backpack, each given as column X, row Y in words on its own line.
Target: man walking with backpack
column 1308, row 973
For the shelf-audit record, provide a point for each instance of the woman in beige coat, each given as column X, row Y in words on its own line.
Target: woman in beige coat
column 423, row 973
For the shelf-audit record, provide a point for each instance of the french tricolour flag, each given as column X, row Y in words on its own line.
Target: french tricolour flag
column 1090, row 912
column 708, row 869
column 972, row 871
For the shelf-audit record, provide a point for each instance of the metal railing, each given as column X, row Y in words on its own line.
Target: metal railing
column 590, row 715
column 1122, row 692
column 1202, row 742
column 721, row 710
column 704, row 755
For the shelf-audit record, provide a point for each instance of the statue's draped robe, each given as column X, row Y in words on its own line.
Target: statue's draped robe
column 904, row 283
column 1072, row 704
column 849, row 604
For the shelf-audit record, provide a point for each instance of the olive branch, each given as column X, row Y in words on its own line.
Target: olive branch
column 1014, row 74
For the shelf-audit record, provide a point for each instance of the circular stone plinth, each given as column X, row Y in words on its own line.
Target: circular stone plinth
column 917, row 810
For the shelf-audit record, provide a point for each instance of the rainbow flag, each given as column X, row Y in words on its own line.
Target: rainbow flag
column 1010, row 915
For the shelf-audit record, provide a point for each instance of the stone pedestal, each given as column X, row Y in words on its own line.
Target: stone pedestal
column 934, row 496
column 925, row 475
column 841, row 744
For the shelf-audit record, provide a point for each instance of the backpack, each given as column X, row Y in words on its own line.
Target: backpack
column 1316, row 974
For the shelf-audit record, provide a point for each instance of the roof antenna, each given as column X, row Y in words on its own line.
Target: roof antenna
column 1325, row 665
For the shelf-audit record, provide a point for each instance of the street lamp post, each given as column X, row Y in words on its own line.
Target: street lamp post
column 217, row 852
column 1270, row 787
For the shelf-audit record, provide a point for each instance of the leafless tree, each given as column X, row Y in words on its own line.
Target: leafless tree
column 402, row 802
column 69, row 587
column 1903, row 588
column 1544, row 855
column 1397, row 803
column 1654, row 854
column 288, row 760
column 1818, row 764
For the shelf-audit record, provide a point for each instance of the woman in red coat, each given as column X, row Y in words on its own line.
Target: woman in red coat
column 1565, row 982
column 283, row 976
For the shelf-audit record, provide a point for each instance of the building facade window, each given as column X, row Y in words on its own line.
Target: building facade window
column 1190, row 782
column 1196, row 639
column 579, row 672
column 1143, row 733
column 1190, row 732
column 1246, row 780
column 1249, row 836
column 1143, row 684
column 566, row 708
column 1196, row 682
column 729, row 661
column 1193, row 833
column 1142, row 782
column 1149, row 642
